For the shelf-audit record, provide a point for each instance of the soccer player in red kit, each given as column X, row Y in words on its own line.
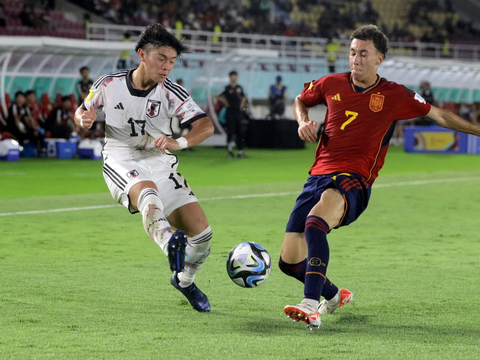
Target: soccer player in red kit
column 361, row 112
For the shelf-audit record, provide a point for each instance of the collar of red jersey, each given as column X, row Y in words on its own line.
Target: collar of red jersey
column 367, row 89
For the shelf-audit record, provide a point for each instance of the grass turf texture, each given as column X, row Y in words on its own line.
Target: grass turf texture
column 90, row 284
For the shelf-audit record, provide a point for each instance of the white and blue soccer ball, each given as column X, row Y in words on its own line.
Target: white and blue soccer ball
column 249, row 264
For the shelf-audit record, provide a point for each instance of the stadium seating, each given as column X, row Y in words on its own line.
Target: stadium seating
column 58, row 24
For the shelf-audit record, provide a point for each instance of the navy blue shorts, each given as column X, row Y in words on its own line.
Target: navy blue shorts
column 353, row 187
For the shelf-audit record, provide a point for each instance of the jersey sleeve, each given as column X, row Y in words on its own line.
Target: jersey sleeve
column 187, row 112
column 410, row 104
column 313, row 93
column 94, row 97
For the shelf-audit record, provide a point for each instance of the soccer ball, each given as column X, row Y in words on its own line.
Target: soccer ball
column 248, row 264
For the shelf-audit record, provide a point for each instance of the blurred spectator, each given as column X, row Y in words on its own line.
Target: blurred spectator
column 235, row 101
column 124, row 62
column 468, row 112
column 36, row 110
column 331, row 50
column 277, row 98
column 427, row 94
column 60, row 122
column 31, row 19
column 86, row 21
column 21, row 124
column 3, row 21
column 84, row 84
column 48, row 5
column 18, row 115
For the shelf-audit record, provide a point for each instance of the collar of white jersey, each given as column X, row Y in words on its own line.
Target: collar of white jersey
column 137, row 92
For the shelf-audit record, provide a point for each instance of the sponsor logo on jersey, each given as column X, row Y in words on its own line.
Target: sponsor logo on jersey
column 310, row 87
column 376, row 102
column 132, row 174
column 153, row 108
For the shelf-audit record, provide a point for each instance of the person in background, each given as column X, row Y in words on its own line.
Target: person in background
column 60, row 123
column 277, row 98
column 36, row 110
column 21, row 124
column 18, row 115
column 3, row 17
column 331, row 50
column 84, row 84
column 235, row 101
column 427, row 93
column 124, row 62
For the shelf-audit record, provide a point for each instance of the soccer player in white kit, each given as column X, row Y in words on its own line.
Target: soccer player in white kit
column 139, row 168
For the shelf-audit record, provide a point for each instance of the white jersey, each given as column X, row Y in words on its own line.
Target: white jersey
column 135, row 118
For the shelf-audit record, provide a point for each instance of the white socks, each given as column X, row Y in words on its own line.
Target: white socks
column 154, row 221
column 198, row 249
column 158, row 228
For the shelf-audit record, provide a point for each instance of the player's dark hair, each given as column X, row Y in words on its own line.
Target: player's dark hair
column 28, row 92
column 372, row 32
column 155, row 35
column 66, row 98
column 83, row 68
column 233, row 72
column 18, row 93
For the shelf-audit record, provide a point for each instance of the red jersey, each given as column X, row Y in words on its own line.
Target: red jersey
column 358, row 125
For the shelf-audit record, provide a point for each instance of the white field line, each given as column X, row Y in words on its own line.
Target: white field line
column 247, row 196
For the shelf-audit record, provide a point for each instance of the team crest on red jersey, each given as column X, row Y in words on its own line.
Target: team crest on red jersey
column 376, row 102
column 153, row 108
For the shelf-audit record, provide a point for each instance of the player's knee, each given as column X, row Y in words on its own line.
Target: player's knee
column 330, row 208
column 140, row 192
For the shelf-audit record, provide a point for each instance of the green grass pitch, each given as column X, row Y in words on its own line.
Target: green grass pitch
column 90, row 284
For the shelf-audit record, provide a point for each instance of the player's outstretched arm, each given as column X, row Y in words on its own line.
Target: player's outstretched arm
column 202, row 129
column 85, row 118
column 449, row 120
column 307, row 130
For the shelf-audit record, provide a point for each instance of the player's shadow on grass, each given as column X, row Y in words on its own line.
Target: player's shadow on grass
column 284, row 325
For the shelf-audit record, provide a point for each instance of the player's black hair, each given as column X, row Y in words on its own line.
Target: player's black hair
column 232, row 73
column 372, row 32
column 18, row 93
column 156, row 36
column 66, row 98
column 83, row 68
column 28, row 92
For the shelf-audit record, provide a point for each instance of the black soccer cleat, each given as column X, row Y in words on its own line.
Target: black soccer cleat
column 176, row 250
column 194, row 295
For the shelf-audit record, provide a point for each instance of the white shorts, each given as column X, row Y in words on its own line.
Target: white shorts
column 172, row 187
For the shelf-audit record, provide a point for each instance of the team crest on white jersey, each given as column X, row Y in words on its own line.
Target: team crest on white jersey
column 132, row 174
column 153, row 108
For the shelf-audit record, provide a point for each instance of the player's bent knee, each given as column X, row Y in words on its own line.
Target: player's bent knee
column 330, row 208
column 137, row 189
